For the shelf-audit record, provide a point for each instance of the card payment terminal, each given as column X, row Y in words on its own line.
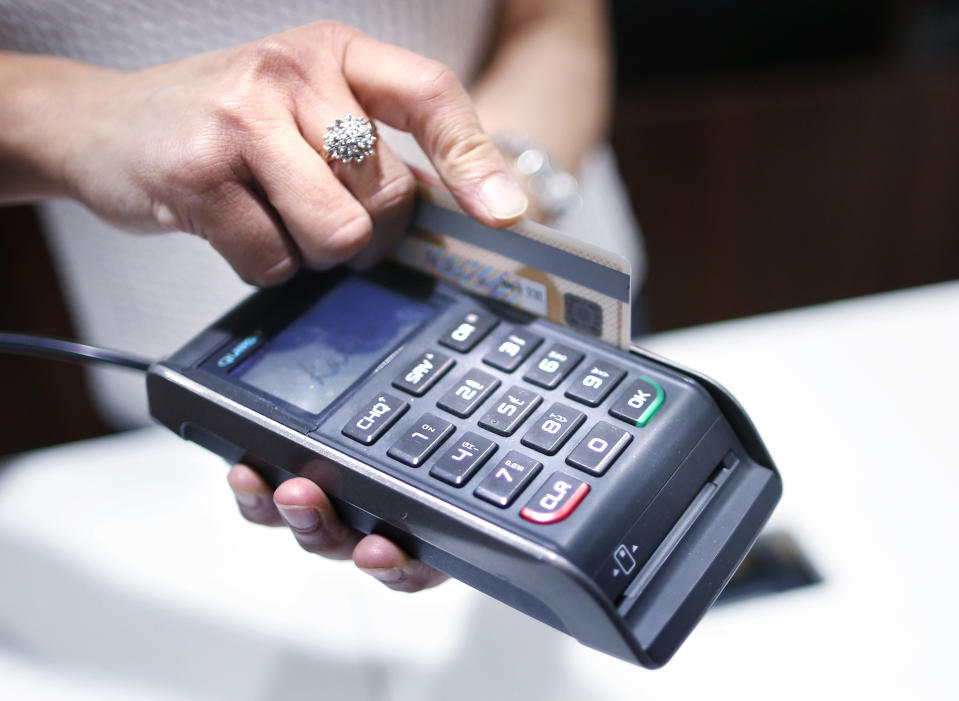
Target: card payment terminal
column 608, row 494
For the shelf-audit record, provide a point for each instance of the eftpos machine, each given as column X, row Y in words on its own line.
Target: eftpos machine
column 609, row 494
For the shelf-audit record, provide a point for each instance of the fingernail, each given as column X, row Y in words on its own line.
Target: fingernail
column 387, row 575
column 302, row 518
column 248, row 499
column 502, row 197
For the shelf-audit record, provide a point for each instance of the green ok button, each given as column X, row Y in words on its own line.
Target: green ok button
column 639, row 402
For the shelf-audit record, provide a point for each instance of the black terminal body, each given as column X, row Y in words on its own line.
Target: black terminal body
column 608, row 494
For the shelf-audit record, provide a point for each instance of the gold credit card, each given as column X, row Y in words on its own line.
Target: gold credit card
column 529, row 266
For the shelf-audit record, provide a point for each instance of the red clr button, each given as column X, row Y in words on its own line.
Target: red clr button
column 556, row 499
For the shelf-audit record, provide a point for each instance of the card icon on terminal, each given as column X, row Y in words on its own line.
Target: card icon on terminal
column 625, row 559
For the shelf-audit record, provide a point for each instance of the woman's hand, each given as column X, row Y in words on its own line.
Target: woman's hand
column 227, row 145
column 301, row 505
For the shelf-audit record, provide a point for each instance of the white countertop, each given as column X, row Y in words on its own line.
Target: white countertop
column 125, row 571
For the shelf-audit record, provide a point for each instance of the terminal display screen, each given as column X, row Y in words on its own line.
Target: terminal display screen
column 332, row 344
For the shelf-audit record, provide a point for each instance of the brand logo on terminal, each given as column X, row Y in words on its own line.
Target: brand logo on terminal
column 237, row 351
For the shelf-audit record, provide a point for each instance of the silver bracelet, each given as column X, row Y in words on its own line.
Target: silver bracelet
column 556, row 191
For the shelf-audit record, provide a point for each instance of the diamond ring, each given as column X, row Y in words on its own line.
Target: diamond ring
column 349, row 140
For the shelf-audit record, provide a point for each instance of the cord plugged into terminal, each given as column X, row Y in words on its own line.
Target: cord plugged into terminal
column 59, row 349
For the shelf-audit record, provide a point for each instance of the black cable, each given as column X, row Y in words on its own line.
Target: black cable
column 25, row 344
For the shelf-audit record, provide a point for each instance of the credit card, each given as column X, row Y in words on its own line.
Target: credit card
column 528, row 266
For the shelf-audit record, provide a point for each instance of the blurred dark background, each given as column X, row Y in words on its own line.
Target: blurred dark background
column 786, row 153
column 777, row 154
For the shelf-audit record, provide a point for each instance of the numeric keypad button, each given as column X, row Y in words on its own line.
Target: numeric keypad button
column 510, row 410
column 594, row 383
column 423, row 373
column 639, row 402
column 468, row 331
column 419, row 442
column 463, row 398
column 463, row 459
column 599, row 449
column 512, row 350
column 508, row 478
column 554, row 365
column 553, row 428
column 375, row 418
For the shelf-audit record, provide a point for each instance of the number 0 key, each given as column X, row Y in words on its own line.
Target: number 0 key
column 599, row 449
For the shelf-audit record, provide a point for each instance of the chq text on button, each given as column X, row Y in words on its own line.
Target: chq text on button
column 376, row 411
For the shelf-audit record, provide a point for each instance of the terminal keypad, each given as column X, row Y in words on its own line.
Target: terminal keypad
column 459, row 445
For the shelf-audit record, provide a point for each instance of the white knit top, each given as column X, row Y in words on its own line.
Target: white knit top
column 149, row 294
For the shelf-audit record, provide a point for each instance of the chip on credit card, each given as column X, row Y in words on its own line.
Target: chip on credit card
column 528, row 266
